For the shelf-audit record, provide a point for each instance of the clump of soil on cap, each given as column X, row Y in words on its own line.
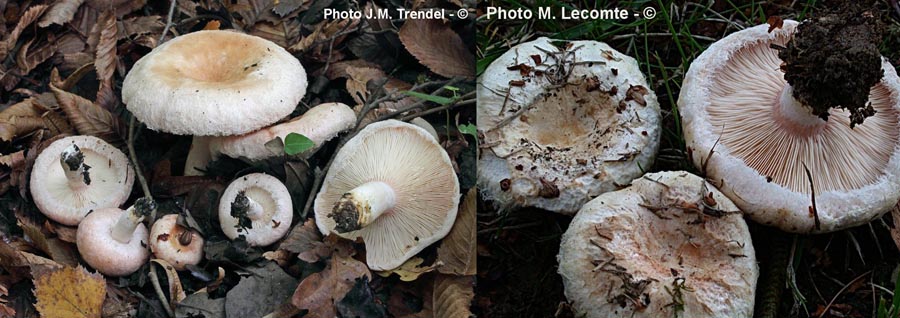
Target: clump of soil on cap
column 833, row 60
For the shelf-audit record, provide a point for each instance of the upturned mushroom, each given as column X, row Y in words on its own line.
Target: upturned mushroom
column 765, row 121
column 393, row 186
column 214, row 83
column 78, row 174
column 174, row 243
column 114, row 242
column 563, row 124
column 258, row 207
column 670, row 245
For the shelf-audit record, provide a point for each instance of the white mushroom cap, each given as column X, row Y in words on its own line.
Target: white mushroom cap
column 625, row 251
column 78, row 174
column 418, row 121
column 214, row 83
column 98, row 246
column 582, row 136
column 392, row 185
column 320, row 124
column 736, row 103
column 174, row 243
column 266, row 203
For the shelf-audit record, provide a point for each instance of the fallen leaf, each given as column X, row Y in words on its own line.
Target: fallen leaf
column 20, row 119
column 438, row 47
column 410, row 269
column 106, row 58
column 319, row 292
column 30, row 15
column 322, row 35
column 260, row 293
column 306, row 241
column 58, row 250
column 28, row 58
column 201, row 305
column 141, row 25
column 176, row 291
column 285, row 7
column 453, row 296
column 69, row 292
column 360, row 302
column 458, row 249
column 5, row 310
column 89, row 118
column 775, row 22
column 60, row 13
column 13, row 160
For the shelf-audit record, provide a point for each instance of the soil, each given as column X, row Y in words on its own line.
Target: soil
column 833, row 60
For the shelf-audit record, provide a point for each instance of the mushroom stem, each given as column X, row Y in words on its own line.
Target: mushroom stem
column 362, row 205
column 124, row 228
column 72, row 161
column 789, row 110
column 199, row 156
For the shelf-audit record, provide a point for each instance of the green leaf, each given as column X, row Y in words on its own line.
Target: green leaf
column 431, row 98
column 468, row 129
column 295, row 143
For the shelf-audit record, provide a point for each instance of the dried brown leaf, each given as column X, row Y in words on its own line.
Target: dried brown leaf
column 306, row 241
column 453, row 296
column 13, row 160
column 285, row 7
column 438, row 47
column 458, row 248
column 105, row 59
column 5, row 310
column 60, row 13
column 319, row 292
column 69, row 293
column 89, row 118
column 176, row 291
column 59, row 251
column 135, row 26
column 27, row 58
column 20, row 119
column 32, row 14
column 322, row 34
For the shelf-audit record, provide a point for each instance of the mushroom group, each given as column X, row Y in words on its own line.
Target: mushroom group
column 563, row 124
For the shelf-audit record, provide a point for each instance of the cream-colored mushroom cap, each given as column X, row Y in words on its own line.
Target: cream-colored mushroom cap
column 320, row 124
column 563, row 124
column 736, row 104
column 174, row 243
column 214, row 83
column 106, row 254
column 669, row 242
column 263, row 202
column 78, row 174
column 392, row 185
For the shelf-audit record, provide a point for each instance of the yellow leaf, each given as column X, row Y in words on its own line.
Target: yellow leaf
column 410, row 269
column 69, row 293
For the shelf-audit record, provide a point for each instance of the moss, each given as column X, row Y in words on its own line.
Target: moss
column 833, row 61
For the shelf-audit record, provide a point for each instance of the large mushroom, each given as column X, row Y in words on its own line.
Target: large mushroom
column 392, row 185
column 670, row 245
column 563, row 124
column 213, row 83
column 78, row 174
column 764, row 122
column 258, row 207
column 114, row 242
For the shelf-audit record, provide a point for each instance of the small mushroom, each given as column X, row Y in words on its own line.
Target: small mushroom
column 783, row 161
column 174, row 243
column 392, row 185
column 78, row 174
column 258, row 207
column 114, row 242
column 213, row 83
column 670, row 245
column 563, row 124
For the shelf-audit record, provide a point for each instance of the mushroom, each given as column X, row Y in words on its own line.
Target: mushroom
column 784, row 161
column 214, row 83
column 320, row 124
column 563, row 124
column 174, row 243
column 393, row 186
column 114, row 242
column 418, row 121
column 78, row 174
column 670, row 245
column 258, row 207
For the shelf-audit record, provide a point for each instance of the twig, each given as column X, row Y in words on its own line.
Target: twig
column 812, row 188
column 824, row 311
